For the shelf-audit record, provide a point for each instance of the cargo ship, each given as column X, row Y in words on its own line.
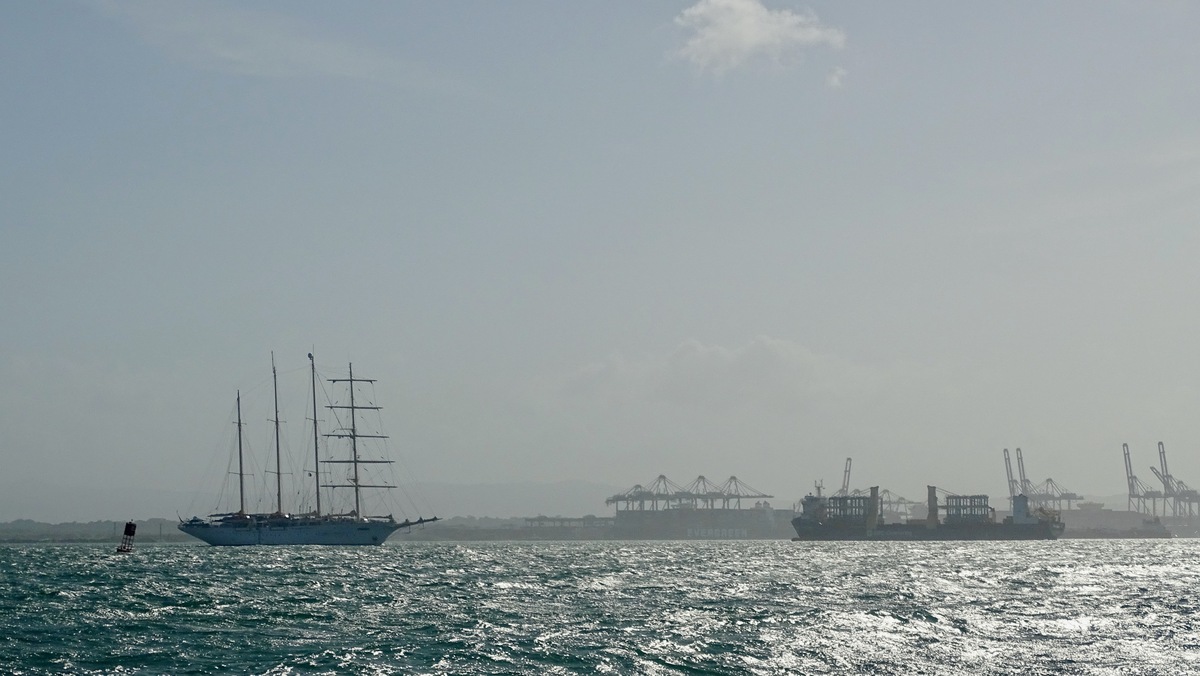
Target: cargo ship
column 964, row 517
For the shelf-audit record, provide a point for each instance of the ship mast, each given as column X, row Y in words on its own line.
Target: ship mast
column 278, row 463
column 241, row 470
column 354, row 444
column 316, row 450
column 353, row 435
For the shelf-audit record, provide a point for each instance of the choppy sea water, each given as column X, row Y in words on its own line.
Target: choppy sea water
column 761, row 607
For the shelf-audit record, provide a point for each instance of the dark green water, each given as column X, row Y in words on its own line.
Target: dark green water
column 1090, row 607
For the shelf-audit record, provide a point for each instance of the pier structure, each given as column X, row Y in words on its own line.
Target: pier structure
column 703, row 509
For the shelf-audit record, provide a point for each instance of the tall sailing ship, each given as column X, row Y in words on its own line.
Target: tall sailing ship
column 317, row 527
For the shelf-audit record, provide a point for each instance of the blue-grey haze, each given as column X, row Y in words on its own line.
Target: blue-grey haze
column 598, row 242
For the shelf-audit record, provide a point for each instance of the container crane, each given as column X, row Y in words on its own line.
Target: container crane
column 1027, row 486
column 845, row 480
column 734, row 490
column 1014, row 487
column 1183, row 497
column 1039, row 495
column 1139, row 492
column 1056, row 494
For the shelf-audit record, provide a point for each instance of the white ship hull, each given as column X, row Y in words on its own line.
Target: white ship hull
column 291, row 531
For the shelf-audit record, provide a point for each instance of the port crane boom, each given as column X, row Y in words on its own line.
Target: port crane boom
column 1014, row 488
column 845, row 480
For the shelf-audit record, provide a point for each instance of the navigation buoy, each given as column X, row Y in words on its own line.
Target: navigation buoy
column 126, row 545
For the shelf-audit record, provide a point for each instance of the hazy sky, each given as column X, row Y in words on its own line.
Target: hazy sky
column 602, row 241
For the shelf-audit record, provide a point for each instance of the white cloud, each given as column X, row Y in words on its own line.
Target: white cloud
column 725, row 34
